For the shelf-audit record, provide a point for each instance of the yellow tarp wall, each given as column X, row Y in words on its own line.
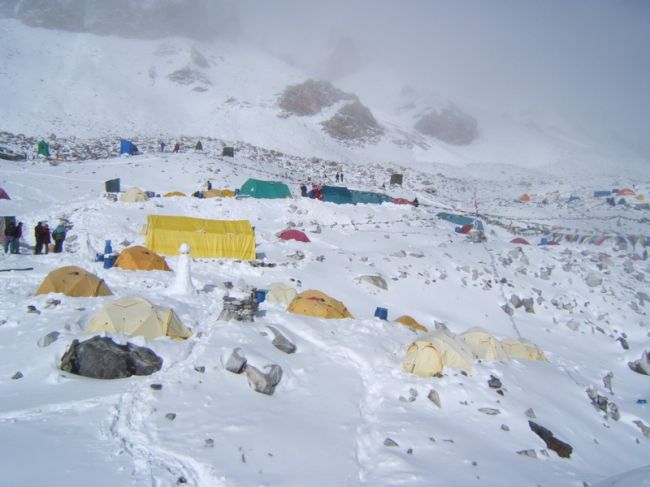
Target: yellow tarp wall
column 219, row 239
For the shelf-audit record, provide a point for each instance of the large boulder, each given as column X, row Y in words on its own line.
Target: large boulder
column 353, row 122
column 451, row 125
column 102, row 358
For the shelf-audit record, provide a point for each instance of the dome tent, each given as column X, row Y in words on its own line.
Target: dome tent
column 174, row 193
column 134, row 195
column 318, row 304
column 430, row 354
column 75, row 282
column 293, row 234
column 136, row 316
column 483, row 345
column 522, row 350
column 281, row 293
column 407, row 320
column 139, row 258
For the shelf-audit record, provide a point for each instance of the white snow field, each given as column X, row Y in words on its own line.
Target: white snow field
column 344, row 413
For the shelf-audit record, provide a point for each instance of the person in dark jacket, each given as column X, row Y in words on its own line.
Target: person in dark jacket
column 177, row 147
column 59, row 236
column 303, row 190
column 9, row 236
column 46, row 238
column 15, row 243
column 38, row 237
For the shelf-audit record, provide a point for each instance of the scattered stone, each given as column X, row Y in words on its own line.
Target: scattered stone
column 170, row 416
column 563, row 449
column 209, row 443
column 434, row 397
column 515, row 301
column 528, row 304
column 51, row 303
column 409, row 451
column 156, row 387
column 33, row 309
column 494, row 382
column 49, row 339
column 505, row 427
column 573, row 325
column 200, row 369
column 530, row 413
column 607, row 381
column 599, row 402
column 489, row 411
column 508, row 309
column 102, row 358
column 614, row 411
column 643, row 427
column 376, row 281
column 236, row 363
column 528, row 453
column 594, row 279
column 623, row 343
column 240, row 309
column 17, row 375
column 181, row 480
column 281, row 342
column 642, row 365
column 264, row 383
column 390, row 442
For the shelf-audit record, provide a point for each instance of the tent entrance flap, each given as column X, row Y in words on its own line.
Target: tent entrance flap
column 219, row 239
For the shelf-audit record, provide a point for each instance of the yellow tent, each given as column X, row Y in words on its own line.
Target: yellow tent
column 139, row 258
column 430, row 354
column 316, row 303
column 218, row 239
column 281, row 293
column 73, row 281
column 218, row 193
column 483, row 345
column 174, row 193
column 411, row 323
column 136, row 316
column 133, row 195
column 522, row 350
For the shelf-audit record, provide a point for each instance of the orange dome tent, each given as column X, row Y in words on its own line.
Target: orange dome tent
column 139, row 258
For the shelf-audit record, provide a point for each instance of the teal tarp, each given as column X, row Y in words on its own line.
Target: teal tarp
column 369, row 197
column 461, row 220
column 265, row 189
column 337, row 194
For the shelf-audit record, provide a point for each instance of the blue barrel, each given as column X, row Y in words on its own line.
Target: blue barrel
column 108, row 249
column 109, row 260
column 381, row 313
column 260, row 295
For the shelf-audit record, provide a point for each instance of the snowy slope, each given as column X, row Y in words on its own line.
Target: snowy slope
column 343, row 393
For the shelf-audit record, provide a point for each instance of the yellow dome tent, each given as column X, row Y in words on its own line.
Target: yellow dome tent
column 318, row 304
column 134, row 195
column 281, row 293
column 174, row 193
column 136, row 316
column 219, row 239
column 139, row 258
column 483, row 345
column 522, row 349
column 430, row 354
column 411, row 323
column 75, row 282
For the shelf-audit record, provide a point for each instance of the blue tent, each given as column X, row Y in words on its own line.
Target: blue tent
column 461, row 220
column 369, row 197
column 337, row 194
column 128, row 147
column 602, row 194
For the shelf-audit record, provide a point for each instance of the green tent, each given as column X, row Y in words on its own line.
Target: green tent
column 337, row 194
column 43, row 149
column 265, row 189
column 461, row 220
column 369, row 197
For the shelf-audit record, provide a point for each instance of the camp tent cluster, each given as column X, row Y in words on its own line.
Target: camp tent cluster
column 430, row 354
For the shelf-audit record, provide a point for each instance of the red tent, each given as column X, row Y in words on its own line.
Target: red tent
column 294, row 235
column 4, row 195
column 520, row 240
column 401, row 201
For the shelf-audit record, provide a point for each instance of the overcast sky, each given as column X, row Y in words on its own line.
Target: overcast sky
column 586, row 60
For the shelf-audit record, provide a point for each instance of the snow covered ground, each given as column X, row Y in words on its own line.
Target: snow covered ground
column 343, row 393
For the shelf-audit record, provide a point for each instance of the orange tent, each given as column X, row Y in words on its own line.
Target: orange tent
column 139, row 258
column 625, row 192
column 524, row 197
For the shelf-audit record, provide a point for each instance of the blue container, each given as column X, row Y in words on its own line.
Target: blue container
column 641, row 401
column 381, row 313
column 109, row 260
column 261, row 295
column 107, row 247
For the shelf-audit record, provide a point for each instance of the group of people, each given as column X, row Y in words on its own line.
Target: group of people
column 177, row 146
column 42, row 236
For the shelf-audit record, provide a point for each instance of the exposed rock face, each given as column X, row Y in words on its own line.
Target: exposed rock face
column 310, row 97
column 353, row 122
column 102, row 358
column 450, row 125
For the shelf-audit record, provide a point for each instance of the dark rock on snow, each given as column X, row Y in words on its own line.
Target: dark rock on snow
column 236, row 363
column 563, row 449
column 102, row 358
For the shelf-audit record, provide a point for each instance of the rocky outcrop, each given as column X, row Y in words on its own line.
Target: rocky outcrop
column 353, row 122
column 451, row 125
column 310, row 97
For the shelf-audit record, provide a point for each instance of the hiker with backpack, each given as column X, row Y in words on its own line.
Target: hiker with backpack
column 59, row 236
